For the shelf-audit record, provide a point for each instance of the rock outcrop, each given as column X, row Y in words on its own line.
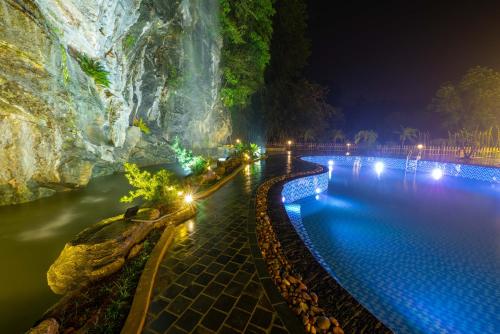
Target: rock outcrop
column 102, row 249
column 59, row 128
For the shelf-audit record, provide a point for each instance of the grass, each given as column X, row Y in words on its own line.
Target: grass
column 94, row 69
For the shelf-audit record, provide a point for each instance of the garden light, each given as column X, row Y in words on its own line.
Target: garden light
column 188, row 198
column 437, row 173
column 238, row 141
column 289, row 142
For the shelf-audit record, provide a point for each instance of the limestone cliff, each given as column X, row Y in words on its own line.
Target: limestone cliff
column 59, row 128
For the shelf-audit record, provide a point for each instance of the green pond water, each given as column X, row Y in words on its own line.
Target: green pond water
column 33, row 234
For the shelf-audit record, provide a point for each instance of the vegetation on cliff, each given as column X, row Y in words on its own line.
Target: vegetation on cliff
column 247, row 29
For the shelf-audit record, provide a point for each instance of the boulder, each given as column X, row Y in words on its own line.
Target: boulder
column 97, row 252
column 48, row 326
column 101, row 249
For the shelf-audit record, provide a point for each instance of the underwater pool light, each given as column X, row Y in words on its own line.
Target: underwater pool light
column 437, row 173
column 318, row 190
column 379, row 167
column 283, row 199
column 317, row 197
column 330, row 162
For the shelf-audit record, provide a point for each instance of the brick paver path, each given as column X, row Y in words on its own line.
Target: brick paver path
column 212, row 279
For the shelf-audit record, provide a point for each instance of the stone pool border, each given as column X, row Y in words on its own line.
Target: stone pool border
column 295, row 272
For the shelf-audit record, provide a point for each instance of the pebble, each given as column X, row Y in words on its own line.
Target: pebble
column 304, row 304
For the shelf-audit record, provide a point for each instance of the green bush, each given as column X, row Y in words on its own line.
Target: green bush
column 188, row 161
column 252, row 150
column 152, row 188
column 93, row 68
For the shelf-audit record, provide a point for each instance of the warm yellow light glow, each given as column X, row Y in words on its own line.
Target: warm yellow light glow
column 190, row 226
column 238, row 141
column 246, row 156
column 188, row 198
column 180, row 193
column 420, row 146
column 289, row 142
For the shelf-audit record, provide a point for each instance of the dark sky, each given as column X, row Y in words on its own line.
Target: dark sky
column 394, row 55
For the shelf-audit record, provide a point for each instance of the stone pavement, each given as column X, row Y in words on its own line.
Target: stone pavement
column 213, row 279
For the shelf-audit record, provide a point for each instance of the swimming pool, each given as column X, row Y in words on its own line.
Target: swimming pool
column 419, row 249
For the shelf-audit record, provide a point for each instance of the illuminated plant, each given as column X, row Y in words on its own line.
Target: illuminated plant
column 93, row 68
column 188, row 161
column 152, row 188
column 139, row 122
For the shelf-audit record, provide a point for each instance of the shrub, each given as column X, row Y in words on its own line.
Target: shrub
column 188, row 161
column 139, row 122
column 152, row 188
column 93, row 68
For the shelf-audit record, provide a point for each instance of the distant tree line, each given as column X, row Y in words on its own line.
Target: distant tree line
column 266, row 52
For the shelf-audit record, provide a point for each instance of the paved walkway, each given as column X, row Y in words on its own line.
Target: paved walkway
column 208, row 281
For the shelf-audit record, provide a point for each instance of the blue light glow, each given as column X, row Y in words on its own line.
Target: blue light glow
column 379, row 167
column 437, row 173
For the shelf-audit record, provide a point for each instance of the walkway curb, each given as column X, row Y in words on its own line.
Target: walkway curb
column 140, row 304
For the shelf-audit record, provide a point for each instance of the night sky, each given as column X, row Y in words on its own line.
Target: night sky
column 391, row 57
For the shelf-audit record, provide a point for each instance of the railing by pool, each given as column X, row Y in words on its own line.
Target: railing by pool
column 483, row 155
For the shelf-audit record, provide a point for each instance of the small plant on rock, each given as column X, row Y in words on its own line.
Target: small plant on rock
column 152, row 188
column 139, row 122
column 93, row 68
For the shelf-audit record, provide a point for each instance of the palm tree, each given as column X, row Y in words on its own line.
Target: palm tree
column 338, row 135
column 407, row 134
column 368, row 137
column 309, row 135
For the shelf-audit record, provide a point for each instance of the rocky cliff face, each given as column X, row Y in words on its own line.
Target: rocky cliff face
column 59, row 128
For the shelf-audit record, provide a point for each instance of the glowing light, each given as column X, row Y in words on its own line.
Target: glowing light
column 289, row 142
column 222, row 159
column 420, row 146
column 190, row 226
column 180, row 193
column 246, row 156
column 283, row 199
column 348, row 153
column 318, row 190
column 348, row 144
column 379, row 167
column 330, row 162
column 238, row 141
column 437, row 173
column 317, row 197
column 188, row 198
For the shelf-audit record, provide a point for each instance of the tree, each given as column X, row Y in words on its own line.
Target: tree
column 407, row 134
column 338, row 136
column 367, row 137
column 246, row 30
column 473, row 103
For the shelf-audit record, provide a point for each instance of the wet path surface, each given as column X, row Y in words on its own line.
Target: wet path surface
column 208, row 281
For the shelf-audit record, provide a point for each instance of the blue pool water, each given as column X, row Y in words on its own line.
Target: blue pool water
column 421, row 253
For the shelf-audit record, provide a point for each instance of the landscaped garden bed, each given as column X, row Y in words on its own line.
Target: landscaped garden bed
column 98, row 272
